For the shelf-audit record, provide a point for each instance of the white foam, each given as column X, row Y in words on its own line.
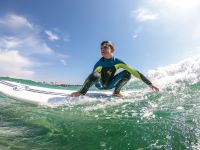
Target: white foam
column 185, row 71
column 180, row 108
column 130, row 97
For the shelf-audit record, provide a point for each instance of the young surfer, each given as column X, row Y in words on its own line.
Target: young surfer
column 104, row 73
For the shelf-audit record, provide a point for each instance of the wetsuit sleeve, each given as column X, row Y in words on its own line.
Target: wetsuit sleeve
column 97, row 66
column 92, row 78
column 134, row 72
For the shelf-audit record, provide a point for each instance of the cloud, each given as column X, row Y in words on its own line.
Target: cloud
column 175, row 11
column 179, row 18
column 171, row 24
column 172, row 10
column 62, row 58
column 144, row 14
column 135, row 36
column 20, row 34
column 13, row 21
column 196, row 31
column 14, row 65
column 56, row 34
column 181, row 6
column 27, row 45
column 20, row 43
column 51, row 36
column 137, row 32
column 63, row 62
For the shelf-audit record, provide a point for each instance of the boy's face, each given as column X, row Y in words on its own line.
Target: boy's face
column 107, row 51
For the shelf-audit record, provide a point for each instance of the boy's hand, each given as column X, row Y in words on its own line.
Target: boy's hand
column 117, row 95
column 154, row 88
column 76, row 94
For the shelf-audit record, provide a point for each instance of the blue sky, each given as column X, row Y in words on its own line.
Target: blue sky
column 59, row 40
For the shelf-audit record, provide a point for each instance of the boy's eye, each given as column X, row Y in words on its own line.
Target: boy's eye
column 104, row 47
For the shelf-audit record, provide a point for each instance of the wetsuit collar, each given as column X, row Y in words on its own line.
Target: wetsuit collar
column 108, row 58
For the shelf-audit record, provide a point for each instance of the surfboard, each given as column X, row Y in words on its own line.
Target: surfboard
column 41, row 95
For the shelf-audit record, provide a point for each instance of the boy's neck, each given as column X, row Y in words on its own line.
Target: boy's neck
column 109, row 57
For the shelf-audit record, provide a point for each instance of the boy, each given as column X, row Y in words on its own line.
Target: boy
column 103, row 74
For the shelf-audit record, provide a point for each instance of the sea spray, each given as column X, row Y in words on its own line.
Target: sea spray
column 186, row 71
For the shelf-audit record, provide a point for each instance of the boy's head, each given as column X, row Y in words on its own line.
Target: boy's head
column 107, row 49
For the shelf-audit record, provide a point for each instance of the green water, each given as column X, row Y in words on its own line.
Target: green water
column 168, row 119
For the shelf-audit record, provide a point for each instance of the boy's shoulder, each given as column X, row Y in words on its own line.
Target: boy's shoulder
column 117, row 60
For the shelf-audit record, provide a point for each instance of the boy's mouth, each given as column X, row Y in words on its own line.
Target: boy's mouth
column 103, row 53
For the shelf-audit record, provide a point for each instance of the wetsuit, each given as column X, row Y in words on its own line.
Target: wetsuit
column 104, row 75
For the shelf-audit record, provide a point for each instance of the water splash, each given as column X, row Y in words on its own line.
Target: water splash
column 186, row 71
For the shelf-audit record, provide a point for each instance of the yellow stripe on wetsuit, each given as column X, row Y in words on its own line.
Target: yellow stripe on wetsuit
column 124, row 66
column 98, row 69
column 129, row 69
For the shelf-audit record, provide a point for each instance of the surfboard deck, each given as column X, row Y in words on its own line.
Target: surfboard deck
column 41, row 95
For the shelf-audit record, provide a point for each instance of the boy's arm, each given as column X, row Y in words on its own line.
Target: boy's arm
column 138, row 75
column 87, row 84
column 97, row 67
column 135, row 73
column 90, row 80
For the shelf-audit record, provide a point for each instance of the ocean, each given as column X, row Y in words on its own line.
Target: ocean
column 168, row 119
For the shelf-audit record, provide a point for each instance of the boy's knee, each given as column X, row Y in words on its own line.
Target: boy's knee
column 127, row 74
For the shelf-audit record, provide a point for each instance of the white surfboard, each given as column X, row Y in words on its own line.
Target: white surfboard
column 41, row 95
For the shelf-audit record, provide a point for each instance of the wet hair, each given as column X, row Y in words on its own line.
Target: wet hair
column 109, row 43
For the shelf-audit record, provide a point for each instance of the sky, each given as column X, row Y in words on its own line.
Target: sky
column 59, row 41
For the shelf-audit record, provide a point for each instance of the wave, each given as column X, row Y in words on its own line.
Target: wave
column 186, row 71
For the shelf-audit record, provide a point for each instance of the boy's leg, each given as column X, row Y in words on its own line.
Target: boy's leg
column 99, row 85
column 91, row 79
column 119, row 81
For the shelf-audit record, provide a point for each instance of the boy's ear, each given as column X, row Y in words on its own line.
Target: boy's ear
column 112, row 50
